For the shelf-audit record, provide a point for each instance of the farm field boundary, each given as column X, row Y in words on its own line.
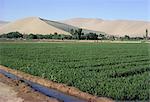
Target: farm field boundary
column 65, row 41
column 58, row 86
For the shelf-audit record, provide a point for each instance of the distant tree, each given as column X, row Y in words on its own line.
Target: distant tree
column 32, row 36
column 126, row 37
column 12, row 35
column 91, row 36
column 67, row 37
column 136, row 38
column 79, row 33
column 25, row 36
column 59, row 36
column 72, row 31
column 55, row 33
column 112, row 37
column 40, row 36
column 83, row 37
column 62, row 37
column 146, row 34
column 50, row 36
column 75, row 35
column 101, row 36
column 56, row 36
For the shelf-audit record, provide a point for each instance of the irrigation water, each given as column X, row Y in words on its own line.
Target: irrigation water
column 46, row 91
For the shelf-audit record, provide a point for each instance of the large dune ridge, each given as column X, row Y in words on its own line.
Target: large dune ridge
column 31, row 25
column 113, row 27
column 67, row 27
column 37, row 25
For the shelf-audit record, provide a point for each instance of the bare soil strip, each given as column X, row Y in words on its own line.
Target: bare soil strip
column 57, row 86
column 17, row 91
column 65, row 41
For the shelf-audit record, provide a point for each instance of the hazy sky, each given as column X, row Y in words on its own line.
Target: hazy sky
column 64, row 9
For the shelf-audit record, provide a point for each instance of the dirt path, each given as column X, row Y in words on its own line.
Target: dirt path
column 7, row 94
column 17, row 91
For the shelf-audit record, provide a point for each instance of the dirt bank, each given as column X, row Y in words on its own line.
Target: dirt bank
column 57, row 86
column 17, row 91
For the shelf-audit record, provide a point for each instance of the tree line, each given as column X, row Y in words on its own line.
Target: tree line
column 18, row 35
column 75, row 34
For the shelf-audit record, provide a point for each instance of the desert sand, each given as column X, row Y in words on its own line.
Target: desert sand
column 30, row 25
column 17, row 91
column 38, row 25
column 112, row 27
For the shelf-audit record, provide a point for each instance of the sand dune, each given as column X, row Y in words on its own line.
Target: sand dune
column 38, row 25
column 112, row 27
column 31, row 25
column 67, row 27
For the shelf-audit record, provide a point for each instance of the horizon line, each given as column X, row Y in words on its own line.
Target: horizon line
column 98, row 18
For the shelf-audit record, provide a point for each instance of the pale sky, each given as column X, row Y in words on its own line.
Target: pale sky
column 64, row 9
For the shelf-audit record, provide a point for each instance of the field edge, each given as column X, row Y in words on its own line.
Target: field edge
column 57, row 86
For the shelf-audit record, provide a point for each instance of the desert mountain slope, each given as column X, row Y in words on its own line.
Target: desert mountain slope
column 31, row 25
column 67, row 27
column 38, row 25
column 112, row 27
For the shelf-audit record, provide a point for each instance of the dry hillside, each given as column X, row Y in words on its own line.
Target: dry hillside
column 38, row 25
column 113, row 27
column 30, row 25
